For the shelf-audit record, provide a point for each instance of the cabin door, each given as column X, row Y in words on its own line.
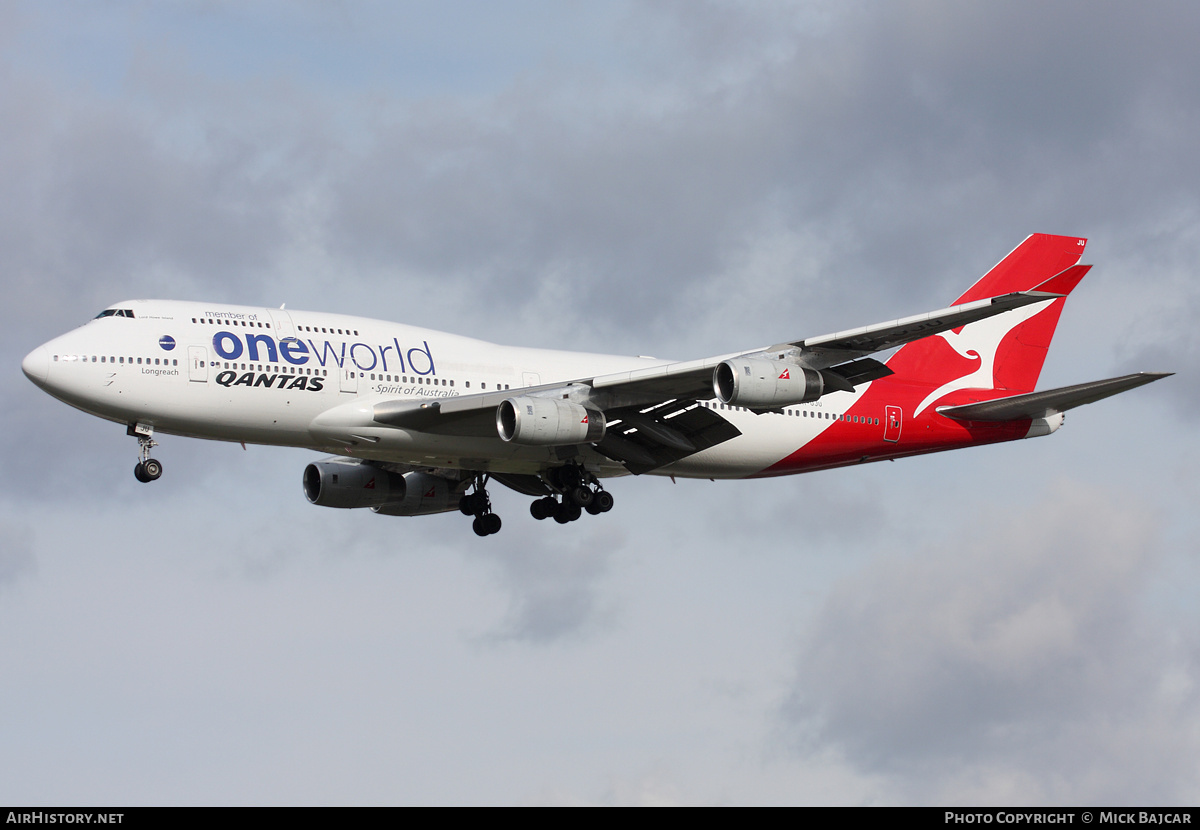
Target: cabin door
column 892, row 423
column 198, row 364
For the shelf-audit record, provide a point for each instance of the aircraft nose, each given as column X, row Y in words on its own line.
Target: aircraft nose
column 36, row 365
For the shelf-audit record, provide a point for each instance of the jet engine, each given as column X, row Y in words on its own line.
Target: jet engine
column 548, row 422
column 424, row 494
column 350, row 484
column 765, row 384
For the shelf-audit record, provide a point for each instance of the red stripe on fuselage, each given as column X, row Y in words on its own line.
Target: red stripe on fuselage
column 844, row 442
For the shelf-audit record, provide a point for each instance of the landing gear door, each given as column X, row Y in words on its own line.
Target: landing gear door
column 892, row 423
column 197, row 364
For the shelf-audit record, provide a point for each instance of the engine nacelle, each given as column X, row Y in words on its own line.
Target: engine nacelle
column 548, row 422
column 424, row 494
column 350, row 484
column 765, row 384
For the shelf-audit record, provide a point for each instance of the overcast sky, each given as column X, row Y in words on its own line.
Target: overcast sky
column 1006, row 625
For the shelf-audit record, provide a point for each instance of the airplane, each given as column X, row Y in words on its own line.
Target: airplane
column 417, row 421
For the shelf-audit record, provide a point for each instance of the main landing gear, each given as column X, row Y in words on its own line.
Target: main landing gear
column 577, row 491
column 147, row 469
column 580, row 491
column 479, row 505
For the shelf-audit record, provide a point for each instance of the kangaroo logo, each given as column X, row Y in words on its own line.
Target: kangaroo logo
column 980, row 341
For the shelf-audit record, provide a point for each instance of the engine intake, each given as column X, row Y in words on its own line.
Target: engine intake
column 765, row 384
column 549, row 422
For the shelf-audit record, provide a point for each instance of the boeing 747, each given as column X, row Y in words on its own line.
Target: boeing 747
column 419, row 421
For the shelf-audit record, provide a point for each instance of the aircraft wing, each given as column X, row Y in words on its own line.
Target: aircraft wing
column 1041, row 404
column 651, row 407
column 834, row 348
column 694, row 377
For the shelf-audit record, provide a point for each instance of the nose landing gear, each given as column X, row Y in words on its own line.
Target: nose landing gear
column 147, row 469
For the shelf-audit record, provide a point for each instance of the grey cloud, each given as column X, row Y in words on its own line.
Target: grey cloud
column 1018, row 649
column 897, row 151
column 877, row 159
column 1182, row 357
column 17, row 557
column 554, row 585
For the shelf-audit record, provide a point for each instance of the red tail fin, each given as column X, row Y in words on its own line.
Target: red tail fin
column 1006, row 352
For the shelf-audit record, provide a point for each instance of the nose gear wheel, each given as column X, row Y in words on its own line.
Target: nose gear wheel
column 147, row 469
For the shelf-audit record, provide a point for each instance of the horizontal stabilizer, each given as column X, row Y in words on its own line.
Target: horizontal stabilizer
column 1040, row 404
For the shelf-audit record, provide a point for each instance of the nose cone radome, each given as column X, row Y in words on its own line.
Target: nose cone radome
column 36, row 365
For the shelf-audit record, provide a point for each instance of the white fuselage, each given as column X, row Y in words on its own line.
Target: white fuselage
column 269, row 376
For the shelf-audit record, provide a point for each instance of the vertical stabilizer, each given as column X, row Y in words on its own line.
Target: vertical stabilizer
column 1004, row 353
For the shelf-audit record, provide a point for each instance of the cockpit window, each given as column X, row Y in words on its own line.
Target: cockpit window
column 115, row 312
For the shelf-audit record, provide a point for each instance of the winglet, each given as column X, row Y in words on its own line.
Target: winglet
column 1063, row 284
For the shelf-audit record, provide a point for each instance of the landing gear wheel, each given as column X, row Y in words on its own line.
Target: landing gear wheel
column 486, row 524
column 603, row 501
column 567, row 512
column 543, row 508
column 581, row 495
column 147, row 468
column 478, row 504
column 473, row 504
